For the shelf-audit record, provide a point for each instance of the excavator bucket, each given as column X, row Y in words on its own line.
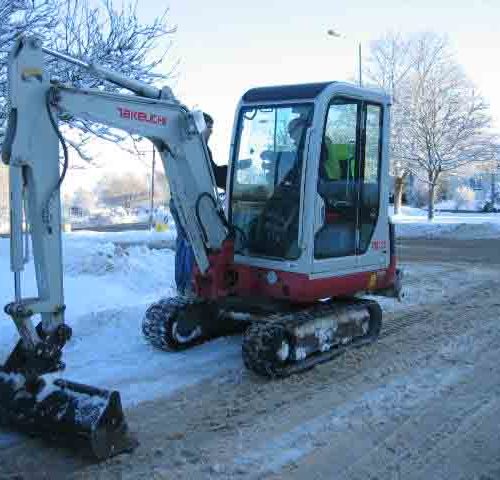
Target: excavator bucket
column 87, row 418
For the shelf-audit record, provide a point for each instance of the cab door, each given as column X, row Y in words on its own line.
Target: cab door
column 373, row 228
column 348, row 187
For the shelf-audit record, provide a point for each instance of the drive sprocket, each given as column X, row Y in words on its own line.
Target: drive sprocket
column 178, row 323
column 175, row 323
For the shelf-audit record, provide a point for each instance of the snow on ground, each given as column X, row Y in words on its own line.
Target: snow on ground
column 412, row 223
column 111, row 278
column 107, row 289
column 399, row 396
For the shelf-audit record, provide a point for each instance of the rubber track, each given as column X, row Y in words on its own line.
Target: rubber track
column 263, row 339
column 156, row 328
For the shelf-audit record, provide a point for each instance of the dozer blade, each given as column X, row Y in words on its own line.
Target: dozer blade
column 87, row 418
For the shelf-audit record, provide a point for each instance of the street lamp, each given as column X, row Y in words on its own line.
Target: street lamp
column 141, row 154
column 336, row 34
column 152, row 190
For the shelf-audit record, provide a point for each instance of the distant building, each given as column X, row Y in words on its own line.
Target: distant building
column 484, row 184
column 128, row 200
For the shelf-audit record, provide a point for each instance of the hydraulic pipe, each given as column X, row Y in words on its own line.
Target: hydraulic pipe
column 16, row 219
column 17, row 286
column 66, row 58
column 136, row 86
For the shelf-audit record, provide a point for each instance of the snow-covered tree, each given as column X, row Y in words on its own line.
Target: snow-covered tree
column 116, row 39
column 493, row 169
column 84, row 199
column 16, row 17
column 162, row 190
column 94, row 31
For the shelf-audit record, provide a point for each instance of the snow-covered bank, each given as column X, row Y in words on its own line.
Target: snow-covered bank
column 129, row 236
column 107, row 289
column 413, row 223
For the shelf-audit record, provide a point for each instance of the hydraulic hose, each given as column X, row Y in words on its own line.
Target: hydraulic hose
column 231, row 228
column 57, row 186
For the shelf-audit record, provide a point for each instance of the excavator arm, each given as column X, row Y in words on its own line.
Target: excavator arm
column 32, row 151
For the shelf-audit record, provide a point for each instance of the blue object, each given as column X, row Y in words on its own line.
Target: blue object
column 184, row 256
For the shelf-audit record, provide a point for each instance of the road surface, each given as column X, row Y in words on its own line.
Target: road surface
column 423, row 402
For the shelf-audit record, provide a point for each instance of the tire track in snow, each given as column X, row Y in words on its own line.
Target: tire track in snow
column 302, row 440
column 403, row 396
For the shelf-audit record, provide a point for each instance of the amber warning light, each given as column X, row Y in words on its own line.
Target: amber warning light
column 142, row 116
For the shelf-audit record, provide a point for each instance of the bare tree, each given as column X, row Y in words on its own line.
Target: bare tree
column 389, row 67
column 492, row 169
column 122, row 190
column 390, row 61
column 97, row 32
column 446, row 121
column 495, row 171
column 439, row 121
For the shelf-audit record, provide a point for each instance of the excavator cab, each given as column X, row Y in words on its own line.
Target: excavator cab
column 309, row 232
column 308, row 185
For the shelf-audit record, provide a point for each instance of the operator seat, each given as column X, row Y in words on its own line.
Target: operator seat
column 337, row 188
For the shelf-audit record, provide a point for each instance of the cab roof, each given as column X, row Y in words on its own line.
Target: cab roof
column 280, row 93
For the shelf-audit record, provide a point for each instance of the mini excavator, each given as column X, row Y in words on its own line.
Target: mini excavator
column 304, row 232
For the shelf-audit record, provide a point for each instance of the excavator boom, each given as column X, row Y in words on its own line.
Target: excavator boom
column 31, row 150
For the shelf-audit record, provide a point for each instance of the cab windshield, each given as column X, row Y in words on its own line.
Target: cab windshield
column 266, row 179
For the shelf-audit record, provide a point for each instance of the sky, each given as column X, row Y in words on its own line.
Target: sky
column 226, row 47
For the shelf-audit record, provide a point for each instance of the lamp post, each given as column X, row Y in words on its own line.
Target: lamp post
column 336, row 34
column 152, row 190
column 141, row 154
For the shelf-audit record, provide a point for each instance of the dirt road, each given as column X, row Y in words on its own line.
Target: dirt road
column 423, row 402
